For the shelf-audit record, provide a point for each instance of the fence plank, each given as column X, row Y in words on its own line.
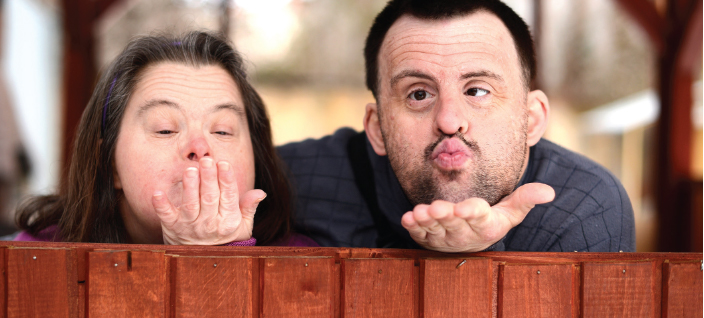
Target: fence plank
column 126, row 284
column 682, row 290
column 378, row 288
column 41, row 283
column 450, row 291
column 537, row 290
column 618, row 290
column 298, row 287
column 212, row 286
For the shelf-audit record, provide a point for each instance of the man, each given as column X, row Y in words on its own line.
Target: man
column 452, row 157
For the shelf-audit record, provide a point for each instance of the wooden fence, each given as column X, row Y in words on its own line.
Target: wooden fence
column 106, row 280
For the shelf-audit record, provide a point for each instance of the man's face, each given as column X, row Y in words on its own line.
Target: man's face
column 452, row 108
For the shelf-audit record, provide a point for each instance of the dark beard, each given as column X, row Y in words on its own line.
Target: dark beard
column 426, row 189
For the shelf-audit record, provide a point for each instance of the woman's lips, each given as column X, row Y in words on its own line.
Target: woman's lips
column 450, row 154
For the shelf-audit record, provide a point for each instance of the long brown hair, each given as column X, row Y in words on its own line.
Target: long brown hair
column 86, row 208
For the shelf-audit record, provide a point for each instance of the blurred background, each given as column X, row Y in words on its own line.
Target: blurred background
column 624, row 79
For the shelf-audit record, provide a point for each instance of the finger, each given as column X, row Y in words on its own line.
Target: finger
column 481, row 219
column 430, row 219
column 409, row 223
column 190, row 205
column 473, row 210
column 229, row 193
column 209, row 189
column 517, row 205
column 249, row 203
column 164, row 210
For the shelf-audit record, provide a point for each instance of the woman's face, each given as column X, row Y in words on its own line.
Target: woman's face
column 176, row 115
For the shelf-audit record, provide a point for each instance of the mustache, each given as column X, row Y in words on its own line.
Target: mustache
column 471, row 144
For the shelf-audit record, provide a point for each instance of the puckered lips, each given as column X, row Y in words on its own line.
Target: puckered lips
column 450, row 154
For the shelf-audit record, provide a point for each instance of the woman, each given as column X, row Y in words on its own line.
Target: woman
column 174, row 147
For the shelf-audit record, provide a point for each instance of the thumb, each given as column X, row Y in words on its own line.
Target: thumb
column 249, row 203
column 517, row 205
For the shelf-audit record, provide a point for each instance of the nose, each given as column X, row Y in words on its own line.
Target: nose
column 451, row 115
column 196, row 148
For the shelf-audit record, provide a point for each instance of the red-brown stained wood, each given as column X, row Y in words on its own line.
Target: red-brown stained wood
column 450, row 291
column 298, row 287
column 133, row 288
column 618, row 290
column 378, row 288
column 682, row 290
column 41, row 283
column 536, row 290
column 3, row 282
column 212, row 286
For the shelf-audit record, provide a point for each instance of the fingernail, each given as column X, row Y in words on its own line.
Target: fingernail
column 224, row 166
column 206, row 162
column 158, row 195
column 262, row 198
column 191, row 172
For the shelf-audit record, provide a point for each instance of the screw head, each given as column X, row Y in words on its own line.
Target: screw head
column 34, row 257
column 379, row 271
column 215, row 265
column 306, row 265
column 538, row 272
column 115, row 264
column 624, row 271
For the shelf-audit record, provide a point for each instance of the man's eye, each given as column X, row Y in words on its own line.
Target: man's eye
column 418, row 95
column 478, row 92
column 165, row 132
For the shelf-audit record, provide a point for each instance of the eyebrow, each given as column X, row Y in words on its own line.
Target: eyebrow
column 483, row 74
column 419, row 74
column 410, row 73
column 156, row 102
column 163, row 102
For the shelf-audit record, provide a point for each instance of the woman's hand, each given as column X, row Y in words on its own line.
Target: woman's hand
column 211, row 212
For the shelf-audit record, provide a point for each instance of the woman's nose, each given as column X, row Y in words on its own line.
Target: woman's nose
column 197, row 148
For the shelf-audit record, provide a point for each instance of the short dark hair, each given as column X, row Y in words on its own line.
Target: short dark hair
column 443, row 9
column 86, row 208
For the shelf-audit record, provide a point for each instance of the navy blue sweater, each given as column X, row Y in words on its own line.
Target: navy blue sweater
column 591, row 211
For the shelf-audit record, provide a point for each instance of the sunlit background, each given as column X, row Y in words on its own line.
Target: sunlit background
column 596, row 64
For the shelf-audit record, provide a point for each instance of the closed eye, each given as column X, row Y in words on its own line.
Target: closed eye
column 222, row 133
column 165, row 132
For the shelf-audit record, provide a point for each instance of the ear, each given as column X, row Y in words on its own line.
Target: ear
column 538, row 112
column 373, row 129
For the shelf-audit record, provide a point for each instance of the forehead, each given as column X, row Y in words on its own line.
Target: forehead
column 458, row 43
column 189, row 83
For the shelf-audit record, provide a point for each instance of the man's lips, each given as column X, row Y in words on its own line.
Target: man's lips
column 450, row 154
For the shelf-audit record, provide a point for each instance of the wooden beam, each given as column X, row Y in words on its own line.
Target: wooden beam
column 673, row 180
column 79, row 66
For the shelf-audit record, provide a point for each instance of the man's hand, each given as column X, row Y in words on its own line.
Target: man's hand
column 211, row 212
column 472, row 225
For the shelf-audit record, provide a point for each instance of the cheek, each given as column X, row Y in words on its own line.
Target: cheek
column 242, row 161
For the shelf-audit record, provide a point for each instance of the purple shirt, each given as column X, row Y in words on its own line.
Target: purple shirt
column 50, row 233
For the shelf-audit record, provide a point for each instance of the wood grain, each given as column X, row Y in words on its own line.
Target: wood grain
column 126, row 284
column 298, row 287
column 450, row 291
column 618, row 290
column 537, row 290
column 212, row 286
column 378, row 288
column 682, row 289
column 41, row 283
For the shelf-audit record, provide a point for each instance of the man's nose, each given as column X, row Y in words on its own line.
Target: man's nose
column 451, row 115
column 197, row 147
